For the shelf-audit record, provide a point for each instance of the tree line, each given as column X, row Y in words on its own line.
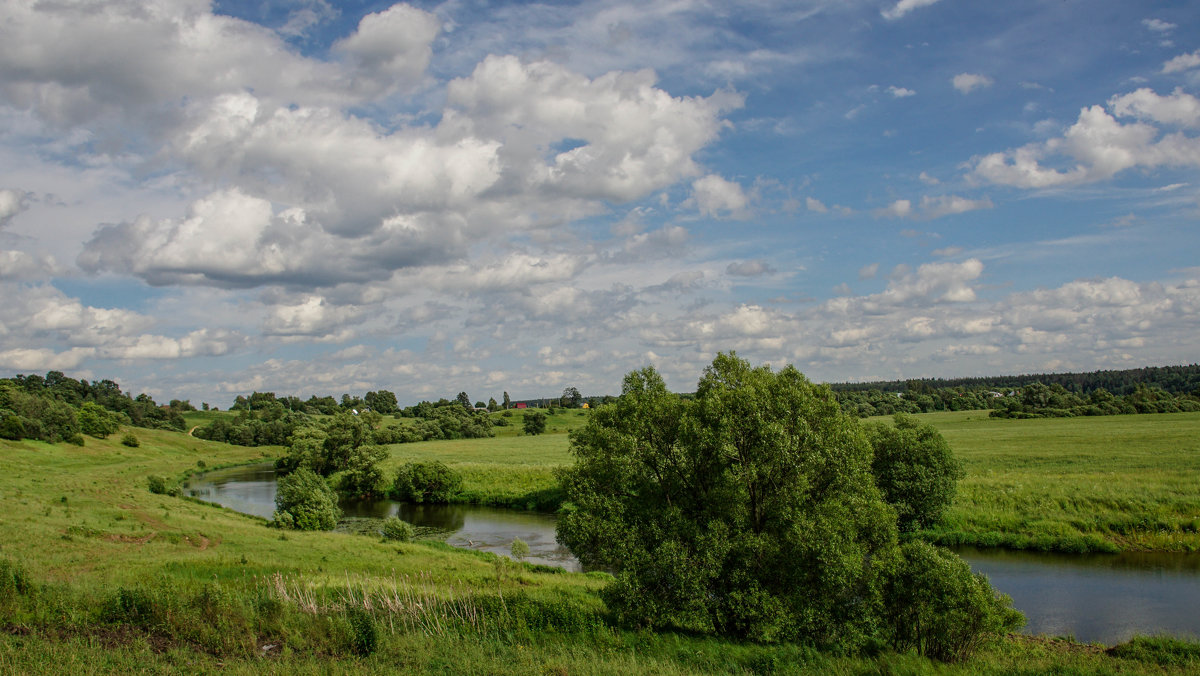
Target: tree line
column 1173, row 379
column 56, row 408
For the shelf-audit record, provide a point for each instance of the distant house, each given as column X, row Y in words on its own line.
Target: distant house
column 585, row 405
column 520, row 404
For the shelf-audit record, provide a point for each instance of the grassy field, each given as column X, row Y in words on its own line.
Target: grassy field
column 1102, row 483
column 1069, row 484
column 98, row 575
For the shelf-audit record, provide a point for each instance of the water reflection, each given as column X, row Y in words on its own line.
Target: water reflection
column 1104, row 598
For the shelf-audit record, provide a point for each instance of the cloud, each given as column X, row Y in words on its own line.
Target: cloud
column 900, row 92
column 932, row 207
column 868, row 271
column 1182, row 62
column 815, row 205
column 1179, row 109
column 754, row 268
column 1098, row 147
column 897, row 209
column 391, row 49
column 968, row 82
column 713, row 196
column 312, row 318
column 12, row 202
column 1158, row 25
column 946, row 205
column 904, row 7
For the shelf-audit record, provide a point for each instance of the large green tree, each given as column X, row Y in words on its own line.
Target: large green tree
column 750, row 511
column 303, row 501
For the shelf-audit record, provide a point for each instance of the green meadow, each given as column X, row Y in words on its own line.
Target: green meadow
column 1108, row 483
column 99, row 575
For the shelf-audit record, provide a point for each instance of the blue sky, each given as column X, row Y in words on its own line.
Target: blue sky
column 203, row 199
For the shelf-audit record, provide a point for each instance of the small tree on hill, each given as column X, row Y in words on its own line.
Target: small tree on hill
column 535, row 423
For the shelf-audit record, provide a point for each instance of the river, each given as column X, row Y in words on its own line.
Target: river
column 1106, row 598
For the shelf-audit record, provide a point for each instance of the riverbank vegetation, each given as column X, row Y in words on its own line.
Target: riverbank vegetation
column 99, row 575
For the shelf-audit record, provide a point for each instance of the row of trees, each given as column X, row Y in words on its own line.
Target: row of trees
column 1173, row 379
column 759, row 509
column 57, row 408
column 1055, row 401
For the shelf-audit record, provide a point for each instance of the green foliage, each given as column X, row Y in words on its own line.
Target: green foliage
column 915, row 470
column 940, row 609
column 750, row 511
column 395, row 528
column 519, row 549
column 364, row 635
column 304, row 501
column 130, row 439
column 96, row 421
column 363, row 474
column 535, row 423
column 156, row 484
column 426, row 482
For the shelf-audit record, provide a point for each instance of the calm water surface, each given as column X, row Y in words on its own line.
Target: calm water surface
column 1098, row 597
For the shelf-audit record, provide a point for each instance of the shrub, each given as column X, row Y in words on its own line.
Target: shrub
column 426, row 482
column 915, row 470
column 535, row 423
column 304, row 501
column 938, row 607
column 156, row 484
column 519, row 549
column 395, row 528
column 364, row 635
column 130, row 439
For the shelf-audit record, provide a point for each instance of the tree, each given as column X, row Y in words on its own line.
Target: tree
column 915, row 470
column 535, row 423
column 383, row 402
column 303, row 501
column 749, row 511
column 492, row 405
column 463, row 400
column 570, row 398
column 363, row 476
column 507, row 401
column 96, row 421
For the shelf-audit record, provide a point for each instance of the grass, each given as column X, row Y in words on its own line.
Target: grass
column 1127, row 482
column 98, row 575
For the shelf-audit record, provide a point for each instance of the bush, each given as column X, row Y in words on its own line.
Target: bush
column 519, row 549
column 364, row 635
column 426, row 482
column 535, row 423
column 156, row 484
column 938, row 607
column 915, row 470
column 130, row 439
column 395, row 528
column 304, row 501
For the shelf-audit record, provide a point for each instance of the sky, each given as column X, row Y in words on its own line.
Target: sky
column 204, row 199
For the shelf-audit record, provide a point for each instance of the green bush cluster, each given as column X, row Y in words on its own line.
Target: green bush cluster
column 426, row 482
column 395, row 528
